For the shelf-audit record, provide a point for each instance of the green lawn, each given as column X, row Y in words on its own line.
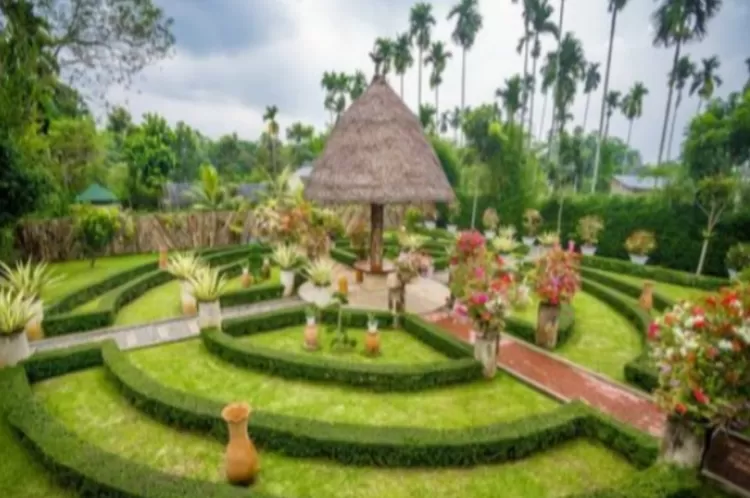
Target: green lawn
column 675, row 292
column 397, row 346
column 79, row 274
column 187, row 366
column 235, row 283
column 89, row 405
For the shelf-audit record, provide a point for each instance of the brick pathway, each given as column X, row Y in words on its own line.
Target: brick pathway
column 566, row 381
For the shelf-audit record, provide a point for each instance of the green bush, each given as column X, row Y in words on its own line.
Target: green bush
column 48, row 364
column 738, row 257
column 95, row 227
column 656, row 273
column 661, row 302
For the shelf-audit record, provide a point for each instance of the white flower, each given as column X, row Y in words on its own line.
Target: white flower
column 744, row 333
column 725, row 345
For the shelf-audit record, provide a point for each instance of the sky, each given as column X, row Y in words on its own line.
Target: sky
column 235, row 57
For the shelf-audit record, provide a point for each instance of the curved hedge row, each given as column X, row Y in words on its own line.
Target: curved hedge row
column 661, row 301
column 657, row 273
column 310, row 367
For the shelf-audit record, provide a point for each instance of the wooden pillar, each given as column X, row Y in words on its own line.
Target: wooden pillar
column 376, row 237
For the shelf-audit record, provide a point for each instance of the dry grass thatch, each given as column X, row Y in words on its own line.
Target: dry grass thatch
column 378, row 154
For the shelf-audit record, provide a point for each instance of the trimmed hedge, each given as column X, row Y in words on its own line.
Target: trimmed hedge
column 48, row 364
column 312, row 368
column 661, row 302
column 654, row 273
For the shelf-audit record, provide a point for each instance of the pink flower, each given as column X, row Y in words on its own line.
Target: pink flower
column 653, row 330
column 479, row 298
column 461, row 309
column 479, row 272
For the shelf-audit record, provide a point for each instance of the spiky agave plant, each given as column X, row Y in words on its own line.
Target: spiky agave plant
column 411, row 242
column 320, row 272
column 29, row 279
column 184, row 266
column 16, row 309
column 287, row 256
column 548, row 239
column 207, row 284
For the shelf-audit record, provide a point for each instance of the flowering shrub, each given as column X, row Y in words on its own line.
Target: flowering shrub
column 409, row 265
column 738, row 256
column 469, row 245
column 589, row 228
column 504, row 245
column 702, row 351
column 640, row 243
column 557, row 276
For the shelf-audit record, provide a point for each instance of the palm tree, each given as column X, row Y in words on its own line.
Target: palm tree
column 455, row 122
column 273, row 130
column 679, row 77
column 558, row 65
column 677, row 22
column 427, row 117
column 402, row 58
column 511, row 96
column 706, row 80
column 445, row 117
column 591, row 81
column 299, row 133
column 549, row 76
column 612, row 102
column 356, row 85
column 208, row 194
column 615, row 6
column 468, row 24
column 523, row 43
column 421, row 21
column 572, row 65
column 383, row 53
column 632, row 105
column 328, row 83
column 540, row 14
column 438, row 59
column 747, row 62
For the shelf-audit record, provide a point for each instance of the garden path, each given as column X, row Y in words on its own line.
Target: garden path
column 565, row 380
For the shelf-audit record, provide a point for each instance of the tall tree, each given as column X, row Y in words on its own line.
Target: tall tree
column 705, row 80
column 612, row 101
column 455, row 122
column 427, row 117
column 549, row 76
column 541, row 24
column 615, row 6
column 468, row 24
column 747, row 63
column 632, row 105
column 591, row 81
column 512, row 96
column 676, row 23
column 572, row 64
column 402, row 57
column 383, row 52
column 300, row 135
column 438, row 59
column 421, row 22
column 269, row 117
column 556, row 92
column 357, row 84
column 523, row 44
column 679, row 76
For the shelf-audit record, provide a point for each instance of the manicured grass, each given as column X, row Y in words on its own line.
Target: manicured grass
column 396, row 345
column 79, row 274
column 21, row 475
column 88, row 404
column 675, row 292
column 187, row 366
column 235, row 283
column 527, row 313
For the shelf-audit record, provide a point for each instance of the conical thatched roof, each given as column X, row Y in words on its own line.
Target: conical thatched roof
column 378, row 154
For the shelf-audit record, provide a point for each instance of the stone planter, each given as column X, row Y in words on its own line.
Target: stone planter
column 287, row 280
column 588, row 250
column 429, row 225
column 13, row 348
column 682, row 444
column 209, row 314
column 311, row 335
column 320, row 295
column 241, row 459
column 485, row 350
column 33, row 327
column 452, row 228
column 489, row 234
column 547, row 324
column 372, row 341
column 528, row 240
column 732, row 273
column 638, row 259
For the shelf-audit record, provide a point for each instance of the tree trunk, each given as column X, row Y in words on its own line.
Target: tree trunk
column 525, row 75
column 463, row 81
column 437, row 107
column 544, row 115
column 630, row 130
column 700, row 104
column 602, row 112
column 376, row 237
column 704, row 252
column 560, row 212
column 531, row 102
column 669, row 104
column 586, row 111
column 402, row 86
column 674, row 120
column 557, row 79
column 419, row 78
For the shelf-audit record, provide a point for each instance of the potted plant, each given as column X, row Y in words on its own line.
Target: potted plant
column 549, row 239
column 30, row 280
column 265, row 270
column 183, row 268
column 490, row 220
column 588, row 229
column 454, row 212
column 507, row 232
column 16, row 310
column 532, row 220
column 410, row 242
column 320, row 274
column 738, row 258
column 430, row 216
column 247, row 279
column 413, row 217
column 505, row 246
column 701, row 353
column 372, row 340
column 557, row 279
column 207, row 285
column 288, row 257
column 639, row 245
column 341, row 340
column 311, row 329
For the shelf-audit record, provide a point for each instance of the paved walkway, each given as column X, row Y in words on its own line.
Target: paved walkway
column 566, row 381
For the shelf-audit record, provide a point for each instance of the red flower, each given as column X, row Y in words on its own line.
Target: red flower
column 698, row 311
column 680, row 408
column 699, row 321
column 712, row 353
column 700, row 396
column 653, row 330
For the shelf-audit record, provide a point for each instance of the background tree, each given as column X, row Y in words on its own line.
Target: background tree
column 705, row 80
column 383, row 51
column 357, row 84
column 681, row 73
column 402, row 57
column 300, row 135
column 269, row 117
column 468, row 24
column 715, row 195
column 591, row 81
column 632, row 105
column 549, row 76
column 427, row 118
column 523, row 44
column 150, row 159
column 438, row 59
column 455, row 122
column 421, row 22
column 187, row 151
column 511, row 96
column 78, row 154
column 572, row 66
column 208, row 194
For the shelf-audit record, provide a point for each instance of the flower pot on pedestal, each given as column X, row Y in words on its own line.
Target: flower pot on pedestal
column 452, row 228
column 646, row 301
column 485, row 350
column 547, row 324
column 241, row 460
column 189, row 304
column 287, row 280
column 13, row 348
column 321, row 295
column 209, row 314
column 588, row 249
column 34, row 325
column 489, row 234
column 683, row 444
column 429, row 225
column 246, row 279
column 372, row 339
column 638, row 259
column 528, row 240
column 311, row 335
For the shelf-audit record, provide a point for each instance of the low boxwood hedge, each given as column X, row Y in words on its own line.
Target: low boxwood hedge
column 654, row 273
column 661, row 301
column 309, row 367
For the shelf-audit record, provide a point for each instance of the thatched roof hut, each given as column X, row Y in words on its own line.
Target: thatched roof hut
column 378, row 154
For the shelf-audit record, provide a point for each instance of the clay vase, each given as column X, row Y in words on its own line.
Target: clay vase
column 246, row 279
column 311, row 335
column 344, row 286
column 359, row 276
column 647, row 296
column 547, row 323
column 372, row 342
column 241, row 460
column 163, row 261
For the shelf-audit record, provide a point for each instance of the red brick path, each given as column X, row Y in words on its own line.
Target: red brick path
column 565, row 381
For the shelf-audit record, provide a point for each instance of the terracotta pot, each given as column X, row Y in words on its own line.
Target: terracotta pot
column 359, row 276
column 13, row 348
column 547, row 324
column 189, row 304
column 486, row 350
column 682, row 444
column 344, row 286
column 311, row 335
column 372, row 342
column 647, row 296
column 241, row 461
column 163, row 260
column 247, row 279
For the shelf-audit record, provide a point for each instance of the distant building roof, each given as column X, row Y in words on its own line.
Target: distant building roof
column 302, row 174
column 251, row 191
column 96, row 194
column 640, row 183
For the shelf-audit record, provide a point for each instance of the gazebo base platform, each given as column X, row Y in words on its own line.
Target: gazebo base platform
column 374, row 279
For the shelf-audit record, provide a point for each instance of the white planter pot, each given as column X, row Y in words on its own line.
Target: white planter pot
column 429, row 225
column 310, row 321
column 681, row 445
column 209, row 314
column 489, row 234
column 732, row 273
column 638, row 260
column 287, row 280
column 485, row 350
column 588, row 250
column 320, row 296
column 372, row 328
column 189, row 304
column 529, row 241
column 33, row 327
column 13, row 348
column 452, row 228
